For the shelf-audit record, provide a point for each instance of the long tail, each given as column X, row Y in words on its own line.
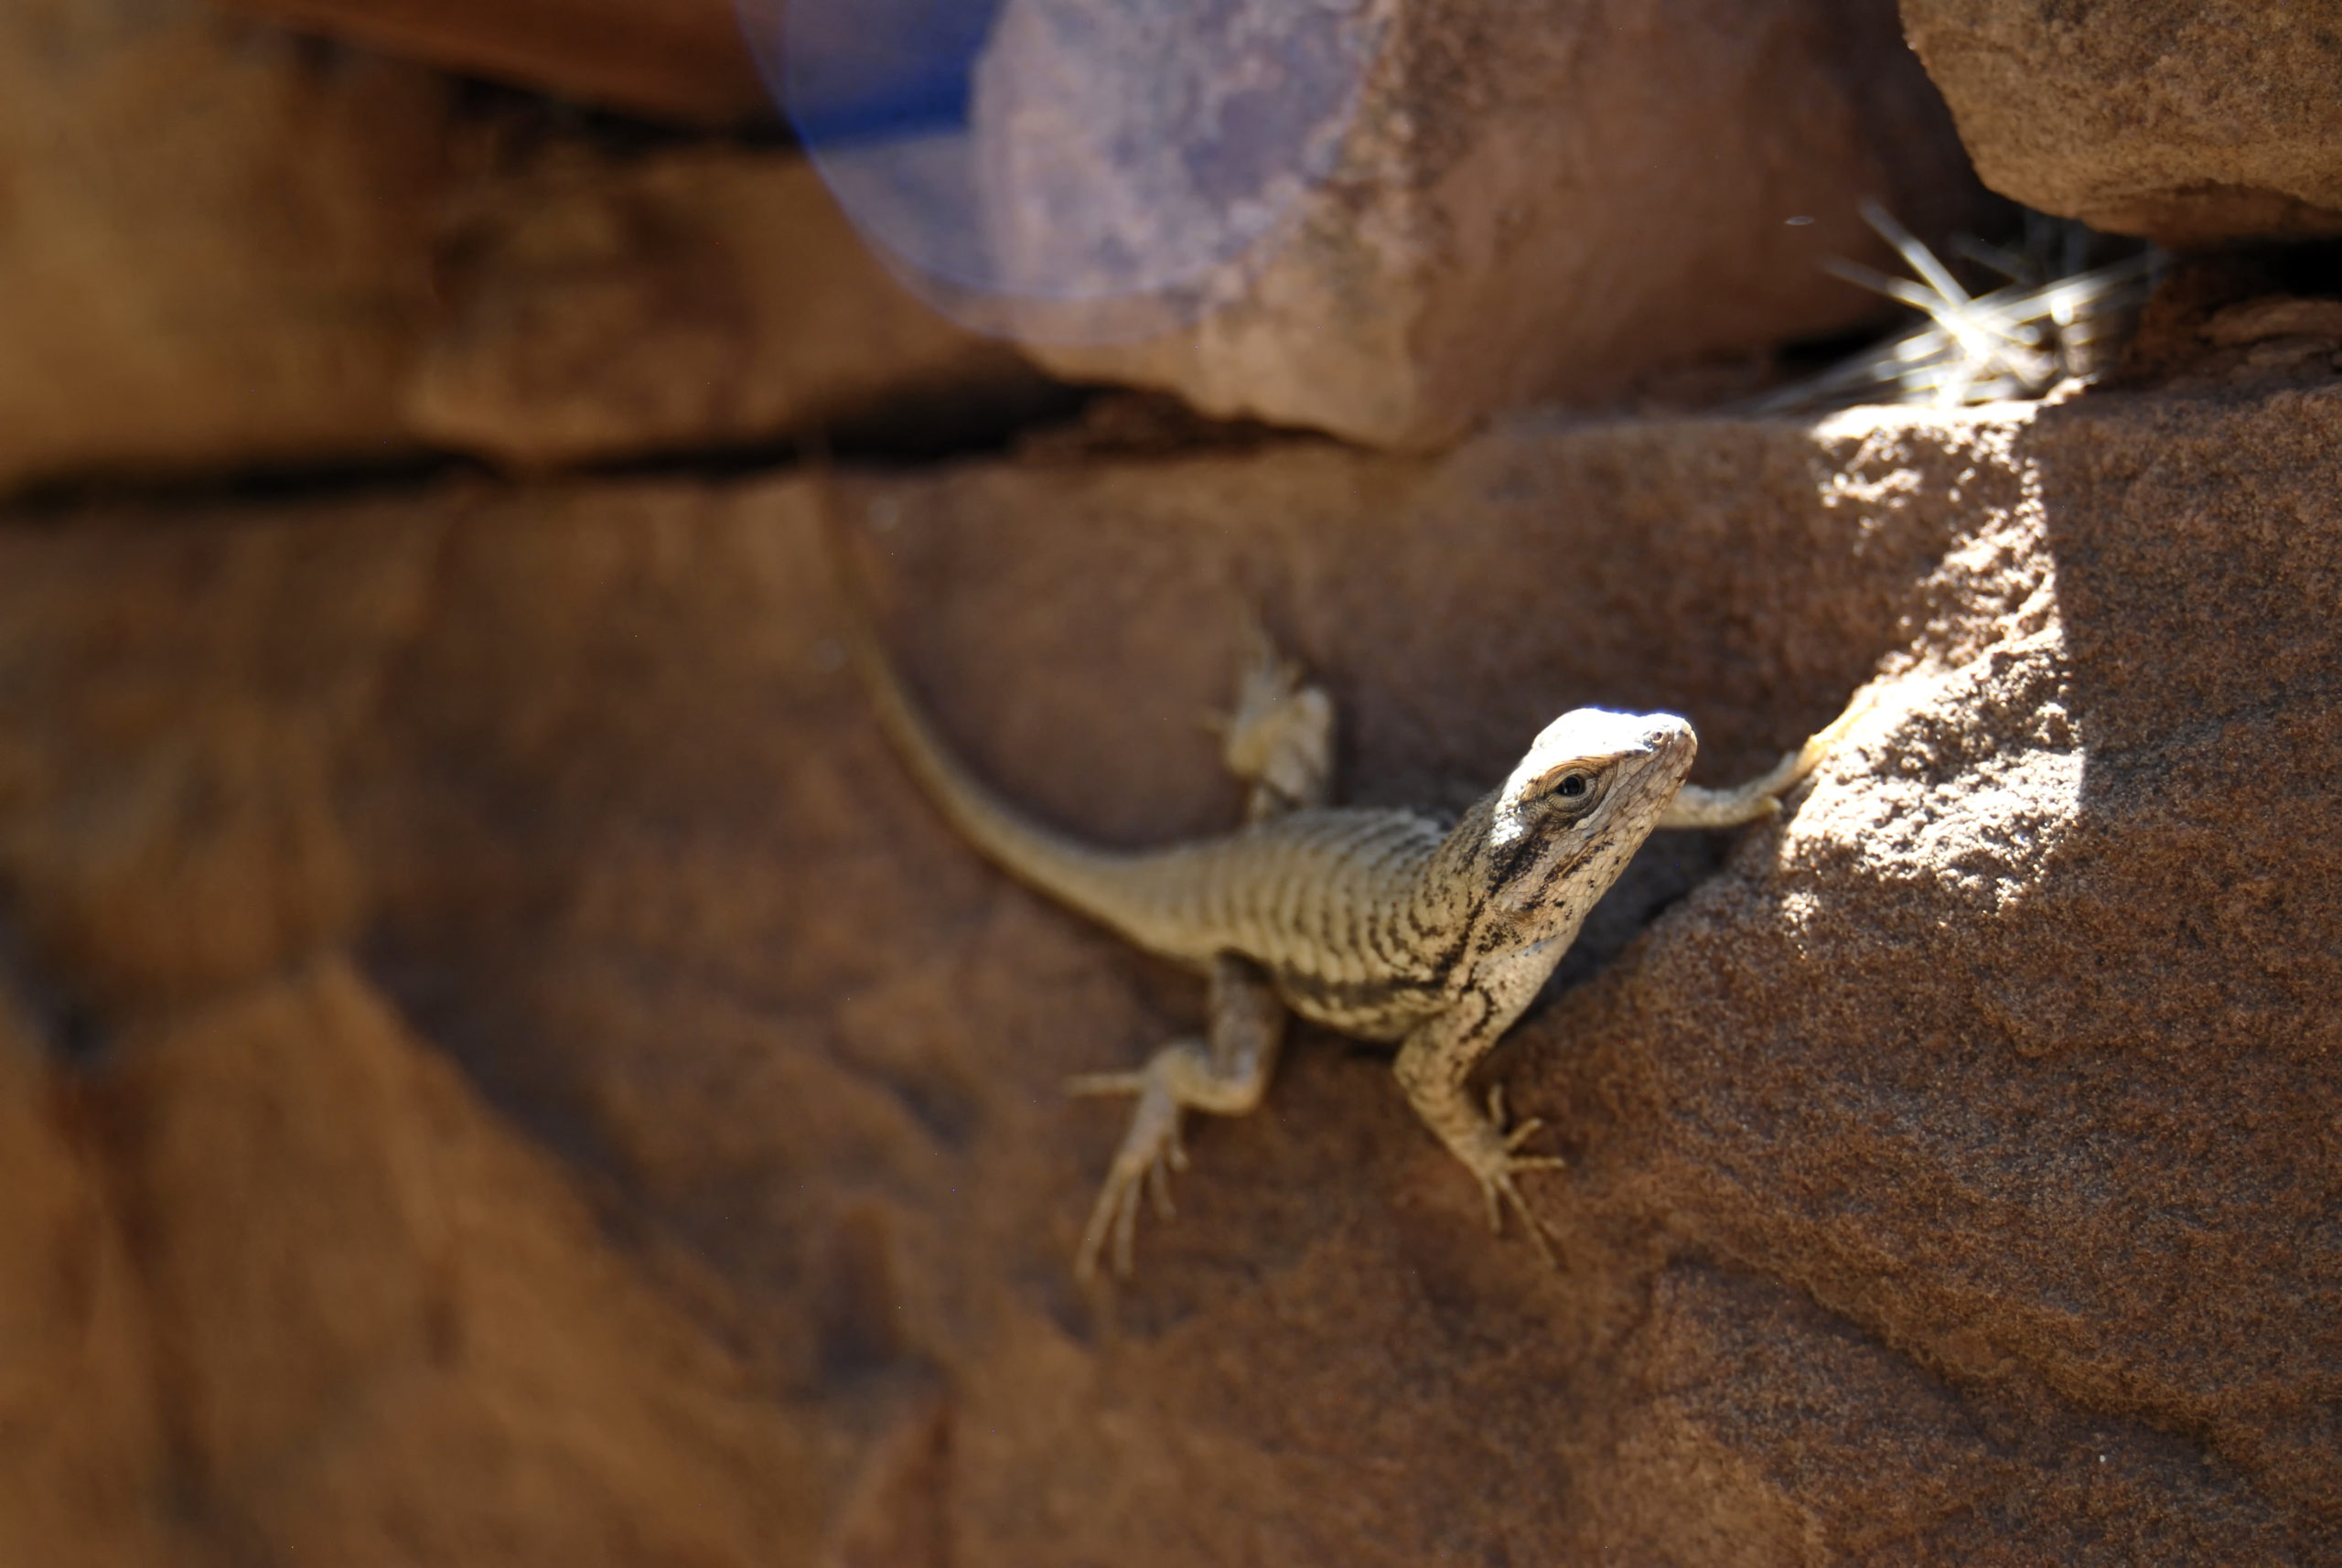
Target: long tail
column 1104, row 885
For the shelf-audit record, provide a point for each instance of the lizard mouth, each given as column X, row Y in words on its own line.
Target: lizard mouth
column 1671, row 741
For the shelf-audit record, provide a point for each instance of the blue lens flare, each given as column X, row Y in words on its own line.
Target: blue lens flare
column 1069, row 170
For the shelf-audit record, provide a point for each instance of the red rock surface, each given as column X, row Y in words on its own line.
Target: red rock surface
column 281, row 1289
column 224, row 245
column 82, row 1438
column 681, row 59
column 1954, row 1161
column 2193, row 122
column 591, row 308
column 213, row 239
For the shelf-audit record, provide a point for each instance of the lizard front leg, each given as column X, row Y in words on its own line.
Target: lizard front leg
column 1431, row 1067
column 1227, row 1078
column 1694, row 807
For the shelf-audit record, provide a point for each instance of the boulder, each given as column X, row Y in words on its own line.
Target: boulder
column 1565, row 199
column 214, row 241
column 393, row 1332
column 593, row 309
column 165, row 847
column 283, row 1289
column 2192, row 123
column 1952, row 1159
column 683, row 60
column 83, row 1443
column 225, row 247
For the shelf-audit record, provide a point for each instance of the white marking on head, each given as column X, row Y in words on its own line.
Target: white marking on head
column 1592, row 741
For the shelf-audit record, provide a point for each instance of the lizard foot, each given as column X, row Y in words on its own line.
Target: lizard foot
column 1492, row 1155
column 1695, row 807
column 1226, row 1078
column 1280, row 735
column 1151, row 1151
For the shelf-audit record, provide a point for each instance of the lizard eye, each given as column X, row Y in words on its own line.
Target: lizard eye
column 1572, row 786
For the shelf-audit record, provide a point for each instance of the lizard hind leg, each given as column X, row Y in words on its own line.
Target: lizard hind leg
column 1279, row 739
column 1279, row 735
column 1226, row 1076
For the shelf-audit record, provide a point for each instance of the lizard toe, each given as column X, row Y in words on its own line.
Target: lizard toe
column 1150, row 1150
column 1502, row 1192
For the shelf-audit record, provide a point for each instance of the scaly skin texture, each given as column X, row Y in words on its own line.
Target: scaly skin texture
column 1385, row 925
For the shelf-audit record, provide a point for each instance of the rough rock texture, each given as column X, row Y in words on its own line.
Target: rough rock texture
column 214, row 238
column 687, row 300
column 387, row 1331
column 1955, row 1161
column 223, row 245
column 281, row 1289
column 2193, row 123
column 1553, row 201
column 2218, row 320
column 679, row 60
column 81, row 1439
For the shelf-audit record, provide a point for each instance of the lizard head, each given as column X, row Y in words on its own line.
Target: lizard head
column 1579, row 805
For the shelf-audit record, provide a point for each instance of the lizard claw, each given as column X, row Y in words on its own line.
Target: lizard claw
column 1179, row 1076
column 1158, row 1180
column 1796, row 766
column 1280, row 734
column 1518, row 1136
column 1494, row 1160
column 1760, row 797
column 1151, row 1151
column 1499, row 1189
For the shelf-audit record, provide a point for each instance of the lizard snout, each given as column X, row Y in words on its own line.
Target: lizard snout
column 1664, row 735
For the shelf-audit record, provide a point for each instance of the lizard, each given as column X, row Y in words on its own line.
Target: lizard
column 1388, row 925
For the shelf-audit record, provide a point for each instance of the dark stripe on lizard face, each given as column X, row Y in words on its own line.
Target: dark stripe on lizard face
column 1499, row 933
column 1517, row 858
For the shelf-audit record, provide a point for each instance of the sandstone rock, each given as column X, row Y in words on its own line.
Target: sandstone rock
column 2263, row 321
column 1953, row 1161
column 222, row 245
column 395, row 1333
column 2235, row 318
column 291, row 1293
column 165, row 846
column 679, row 61
column 691, row 300
column 213, row 239
column 82, row 1445
column 1550, row 200
column 2193, row 122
